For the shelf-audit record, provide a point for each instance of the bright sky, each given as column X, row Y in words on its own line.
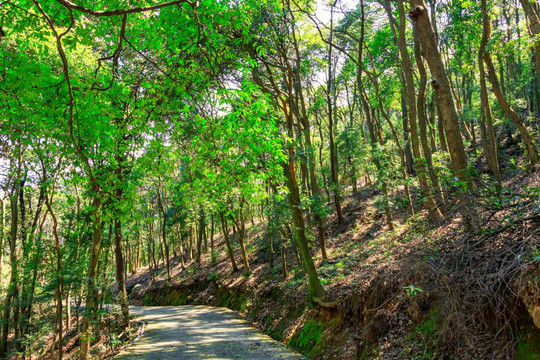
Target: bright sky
column 342, row 6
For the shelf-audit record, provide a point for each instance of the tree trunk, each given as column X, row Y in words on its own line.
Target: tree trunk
column 304, row 121
column 121, row 280
column 59, row 280
column 91, row 313
column 205, row 235
column 440, row 83
column 321, row 143
column 419, row 164
column 13, row 287
column 490, row 148
column 509, row 112
column 271, row 249
column 200, row 236
column 190, row 252
column 423, row 121
column 164, row 230
column 315, row 288
column 333, row 156
column 2, row 227
column 180, row 246
column 283, row 257
column 227, row 241
column 409, row 160
column 212, row 254
column 534, row 24
column 152, row 246
column 440, row 127
column 241, row 238
column 367, row 114
column 70, row 286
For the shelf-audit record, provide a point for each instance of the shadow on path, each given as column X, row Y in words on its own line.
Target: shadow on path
column 200, row 332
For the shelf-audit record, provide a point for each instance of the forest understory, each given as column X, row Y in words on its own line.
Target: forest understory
column 427, row 290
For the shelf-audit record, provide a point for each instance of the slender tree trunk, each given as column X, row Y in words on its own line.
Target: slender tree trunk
column 333, row 156
column 190, row 252
column 180, row 246
column 59, row 280
column 166, row 244
column 321, row 143
column 490, row 148
column 304, row 121
column 271, row 249
column 409, row 160
column 28, row 246
column 13, row 286
column 283, row 257
column 164, row 230
column 440, row 128
column 149, row 253
column 212, row 239
column 422, row 121
column 396, row 140
column 431, row 117
column 205, row 236
column 67, row 289
column 384, row 185
column 2, row 227
column 200, row 236
column 70, row 286
column 369, row 122
column 315, row 288
column 38, row 253
column 534, row 24
column 160, row 244
column 121, row 280
column 152, row 245
column 419, row 164
column 227, row 241
column 294, row 247
column 509, row 112
column 241, row 238
column 91, row 313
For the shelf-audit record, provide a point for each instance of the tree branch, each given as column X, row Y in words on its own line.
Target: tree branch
column 72, row 6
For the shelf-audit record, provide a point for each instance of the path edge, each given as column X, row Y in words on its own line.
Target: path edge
column 132, row 341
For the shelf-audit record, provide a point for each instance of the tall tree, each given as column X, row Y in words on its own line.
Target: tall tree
column 441, row 85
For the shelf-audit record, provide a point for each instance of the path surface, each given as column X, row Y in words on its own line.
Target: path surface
column 200, row 332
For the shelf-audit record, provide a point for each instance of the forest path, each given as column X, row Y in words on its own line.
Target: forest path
column 200, row 332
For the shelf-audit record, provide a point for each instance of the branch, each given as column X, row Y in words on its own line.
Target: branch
column 72, row 6
column 114, row 56
column 154, row 63
column 65, row 68
column 329, row 43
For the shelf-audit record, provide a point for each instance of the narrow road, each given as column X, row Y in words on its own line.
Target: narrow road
column 200, row 332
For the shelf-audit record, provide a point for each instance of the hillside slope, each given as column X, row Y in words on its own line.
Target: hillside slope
column 425, row 290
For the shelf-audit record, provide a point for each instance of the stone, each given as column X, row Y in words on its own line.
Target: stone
column 535, row 313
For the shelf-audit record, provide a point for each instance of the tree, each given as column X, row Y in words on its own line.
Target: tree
column 441, row 85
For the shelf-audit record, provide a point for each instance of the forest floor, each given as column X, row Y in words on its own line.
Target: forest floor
column 425, row 290
column 107, row 342
column 200, row 332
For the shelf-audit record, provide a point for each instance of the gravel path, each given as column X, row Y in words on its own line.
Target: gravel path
column 200, row 332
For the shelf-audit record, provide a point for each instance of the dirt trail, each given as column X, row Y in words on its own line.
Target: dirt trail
column 200, row 332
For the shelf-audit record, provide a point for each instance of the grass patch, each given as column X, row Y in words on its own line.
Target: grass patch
column 528, row 347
